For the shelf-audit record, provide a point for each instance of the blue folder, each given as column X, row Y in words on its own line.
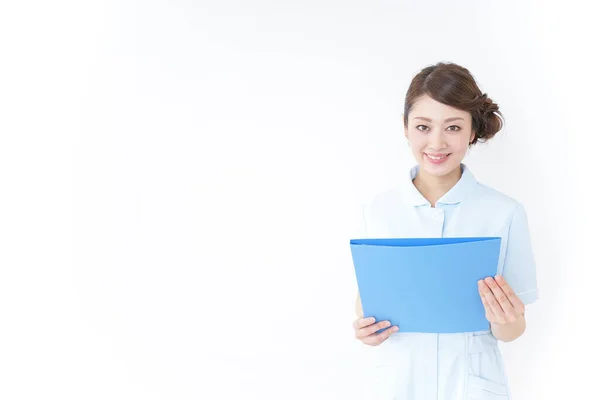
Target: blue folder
column 425, row 284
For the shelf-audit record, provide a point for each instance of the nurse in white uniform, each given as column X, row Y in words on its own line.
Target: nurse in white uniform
column 446, row 113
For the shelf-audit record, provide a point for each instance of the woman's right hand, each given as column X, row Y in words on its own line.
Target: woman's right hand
column 365, row 330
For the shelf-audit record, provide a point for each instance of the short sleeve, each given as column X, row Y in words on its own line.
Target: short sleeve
column 519, row 269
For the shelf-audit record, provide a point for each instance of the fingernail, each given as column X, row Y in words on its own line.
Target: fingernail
column 395, row 329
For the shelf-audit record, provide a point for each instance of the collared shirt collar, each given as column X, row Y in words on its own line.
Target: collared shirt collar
column 466, row 185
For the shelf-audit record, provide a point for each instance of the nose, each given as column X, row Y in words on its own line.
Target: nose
column 436, row 140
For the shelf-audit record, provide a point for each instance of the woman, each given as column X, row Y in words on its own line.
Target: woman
column 445, row 113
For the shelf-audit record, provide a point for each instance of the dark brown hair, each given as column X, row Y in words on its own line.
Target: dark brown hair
column 453, row 85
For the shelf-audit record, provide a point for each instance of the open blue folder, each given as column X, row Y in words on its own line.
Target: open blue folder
column 425, row 285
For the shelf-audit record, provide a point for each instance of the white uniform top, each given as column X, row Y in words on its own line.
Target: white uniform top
column 450, row 366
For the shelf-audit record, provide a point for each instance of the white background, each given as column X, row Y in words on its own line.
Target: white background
column 179, row 182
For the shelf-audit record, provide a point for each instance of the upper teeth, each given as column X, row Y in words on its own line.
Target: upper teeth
column 434, row 157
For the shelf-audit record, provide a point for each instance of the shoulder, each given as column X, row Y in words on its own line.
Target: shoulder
column 493, row 200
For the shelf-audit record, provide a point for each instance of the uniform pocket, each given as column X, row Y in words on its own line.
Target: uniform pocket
column 486, row 378
column 483, row 389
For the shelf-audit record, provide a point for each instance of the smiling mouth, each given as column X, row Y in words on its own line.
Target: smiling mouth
column 437, row 157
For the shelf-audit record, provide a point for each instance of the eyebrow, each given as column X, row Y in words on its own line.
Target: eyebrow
column 447, row 120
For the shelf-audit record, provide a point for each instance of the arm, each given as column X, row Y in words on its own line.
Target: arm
column 517, row 286
column 358, row 306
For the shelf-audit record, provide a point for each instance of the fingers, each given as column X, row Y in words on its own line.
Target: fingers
column 489, row 314
column 512, row 297
column 366, row 328
column 507, row 308
column 362, row 322
column 496, row 310
column 377, row 339
column 365, row 331
column 484, row 293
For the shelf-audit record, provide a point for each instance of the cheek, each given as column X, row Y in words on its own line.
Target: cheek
column 418, row 143
column 460, row 143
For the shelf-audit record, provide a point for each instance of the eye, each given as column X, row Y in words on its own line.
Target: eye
column 454, row 126
column 418, row 126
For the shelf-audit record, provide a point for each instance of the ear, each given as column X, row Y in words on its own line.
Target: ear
column 472, row 137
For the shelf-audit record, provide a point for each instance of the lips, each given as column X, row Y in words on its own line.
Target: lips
column 436, row 157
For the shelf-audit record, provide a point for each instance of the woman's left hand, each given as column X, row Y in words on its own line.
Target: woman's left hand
column 502, row 305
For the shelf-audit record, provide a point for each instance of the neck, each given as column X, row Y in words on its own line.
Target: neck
column 434, row 187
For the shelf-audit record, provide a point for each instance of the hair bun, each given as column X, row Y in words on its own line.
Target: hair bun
column 487, row 105
column 485, row 102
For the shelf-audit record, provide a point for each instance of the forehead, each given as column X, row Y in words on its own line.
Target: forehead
column 427, row 107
